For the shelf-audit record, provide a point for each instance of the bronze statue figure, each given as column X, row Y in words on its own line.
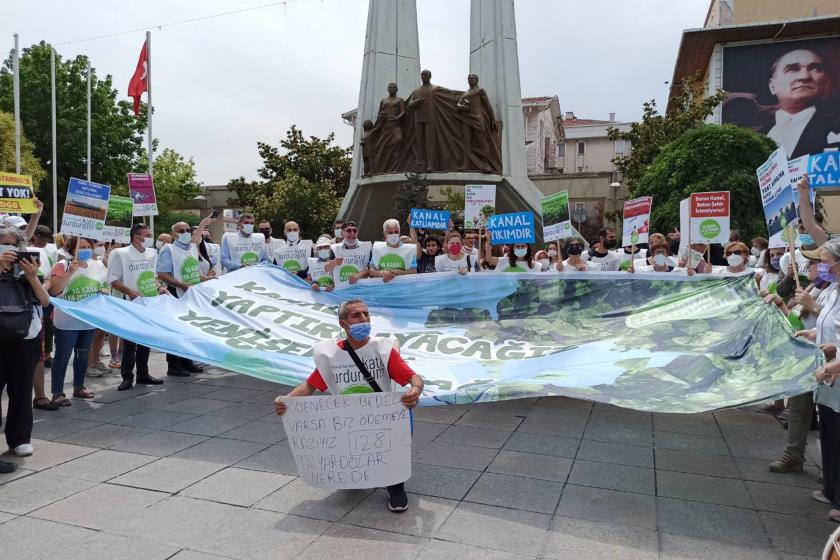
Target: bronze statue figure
column 478, row 128
column 424, row 123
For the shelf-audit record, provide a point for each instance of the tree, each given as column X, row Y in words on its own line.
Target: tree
column 708, row 158
column 453, row 201
column 117, row 135
column 29, row 164
column 689, row 109
column 411, row 193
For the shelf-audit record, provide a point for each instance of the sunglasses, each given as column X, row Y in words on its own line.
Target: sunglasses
column 735, row 252
column 575, row 246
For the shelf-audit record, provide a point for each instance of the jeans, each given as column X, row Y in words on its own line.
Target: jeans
column 132, row 354
column 66, row 343
column 16, row 376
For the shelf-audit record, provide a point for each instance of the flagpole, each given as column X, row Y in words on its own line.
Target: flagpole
column 149, row 104
column 54, row 143
column 88, row 121
column 16, row 94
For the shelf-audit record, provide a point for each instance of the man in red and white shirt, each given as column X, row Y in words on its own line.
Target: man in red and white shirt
column 336, row 372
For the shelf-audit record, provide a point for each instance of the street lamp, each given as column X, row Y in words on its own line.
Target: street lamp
column 614, row 186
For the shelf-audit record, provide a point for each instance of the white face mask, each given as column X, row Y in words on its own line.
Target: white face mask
column 520, row 252
column 543, row 263
column 756, row 252
column 158, row 245
column 323, row 254
column 659, row 259
column 552, row 254
column 292, row 236
column 99, row 251
column 4, row 248
column 247, row 229
column 338, row 233
column 735, row 260
column 148, row 242
column 393, row 238
column 184, row 238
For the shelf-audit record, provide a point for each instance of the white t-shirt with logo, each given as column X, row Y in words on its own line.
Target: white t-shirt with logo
column 340, row 373
column 184, row 265
column 608, row 262
column 294, row 257
column 385, row 257
column 134, row 269
column 84, row 283
column 318, row 274
column 444, row 264
column 245, row 250
column 355, row 259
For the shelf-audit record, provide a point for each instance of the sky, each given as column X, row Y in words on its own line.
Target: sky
column 223, row 84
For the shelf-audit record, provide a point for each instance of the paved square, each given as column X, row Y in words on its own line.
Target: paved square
column 199, row 469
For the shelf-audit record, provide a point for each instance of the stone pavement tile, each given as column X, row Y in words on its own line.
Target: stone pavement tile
column 101, row 466
column 154, row 419
column 424, row 516
column 425, row 432
column 563, row 426
column 207, row 425
column 702, row 424
column 232, row 394
column 186, row 554
column 221, row 451
column 443, row 482
column 105, row 435
column 684, row 547
column 197, row 405
column 613, row 477
column 516, row 407
column 531, row 465
column 696, row 463
column 604, row 452
column 238, row 487
column 442, row 414
column 243, row 411
column 710, row 522
column 606, row 414
column 691, row 442
column 277, row 458
column 258, row 432
column 59, row 427
column 540, row 496
column 458, row 456
column 6, row 517
column 564, row 403
column 798, row 534
column 16, row 474
column 755, row 446
column 267, row 397
column 48, row 454
column 159, row 443
column 35, row 491
column 702, row 488
column 745, row 418
column 509, row 530
column 756, row 469
column 352, row 543
column 487, row 418
column 479, row 437
column 99, row 506
column 786, row 499
column 619, row 434
column 609, row 506
column 111, row 395
column 590, row 540
column 446, row 550
column 107, row 413
column 543, row 444
column 167, row 475
column 298, row 498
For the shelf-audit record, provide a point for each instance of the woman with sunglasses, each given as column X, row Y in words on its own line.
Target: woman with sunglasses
column 573, row 248
column 737, row 256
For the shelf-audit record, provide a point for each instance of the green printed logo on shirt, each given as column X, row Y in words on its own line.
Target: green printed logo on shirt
column 146, row 284
column 514, row 269
column 189, row 271
column 346, row 271
column 391, row 261
column 81, row 287
column 292, row 265
column 248, row 259
column 356, row 389
column 325, row 281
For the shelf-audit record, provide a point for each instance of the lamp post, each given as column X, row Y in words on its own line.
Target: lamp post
column 614, row 186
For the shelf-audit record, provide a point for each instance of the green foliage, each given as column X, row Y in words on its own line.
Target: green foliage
column 453, row 201
column 709, row 158
column 164, row 222
column 312, row 205
column 29, row 164
column 688, row 110
column 411, row 193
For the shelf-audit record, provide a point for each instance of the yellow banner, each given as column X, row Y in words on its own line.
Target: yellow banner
column 16, row 194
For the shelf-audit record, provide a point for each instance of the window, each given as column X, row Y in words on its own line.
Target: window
column 620, row 147
column 561, row 150
column 581, row 148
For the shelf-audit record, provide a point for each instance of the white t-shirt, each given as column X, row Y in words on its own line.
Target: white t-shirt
column 134, row 269
column 84, row 283
column 340, row 373
column 590, row 267
column 244, row 250
column 520, row 266
column 607, row 262
column 444, row 264
column 294, row 257
column 385, row 257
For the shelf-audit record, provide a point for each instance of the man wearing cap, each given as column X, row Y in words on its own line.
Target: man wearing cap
column 392, row 257
column 352, row 257
column 293, row 253
column 243, row 248
column 317, row 275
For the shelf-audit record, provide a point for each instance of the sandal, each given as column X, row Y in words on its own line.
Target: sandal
column 44, row 404
column 83, row 393
column 61, row 400
column 115, row 364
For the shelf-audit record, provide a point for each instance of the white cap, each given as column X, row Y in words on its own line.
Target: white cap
column 323, row 241
column 15, row 222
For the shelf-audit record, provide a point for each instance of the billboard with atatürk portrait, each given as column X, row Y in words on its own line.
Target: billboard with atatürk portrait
column 786, row 90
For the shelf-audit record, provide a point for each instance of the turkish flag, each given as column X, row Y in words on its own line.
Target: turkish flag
column 139, row 81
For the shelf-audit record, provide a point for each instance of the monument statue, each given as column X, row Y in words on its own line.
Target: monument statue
column 478, row 131
column 422, row 109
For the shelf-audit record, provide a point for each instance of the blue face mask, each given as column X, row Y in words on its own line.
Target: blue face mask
column 85, row 254
column 359, row 331
column 806, row 239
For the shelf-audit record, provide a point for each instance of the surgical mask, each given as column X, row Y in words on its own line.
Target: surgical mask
column 806, row 239
column 292, row 236
column 351, row 242
column 735, row 260
column 575, row 249
column 552, row 254
column 184, row 238
column 520, row 252
column 774, row 262
column 359, row 331
column 148, row 242
column 337, row 232
column 455, row 249
column 610, row 244
column 84, row 254
column 324, row 254
column 247, row 229
column 756, row 252
column 99, row 251
column 392, row 238
column 4, row 248
column 158, row 245
column 659, row 259
column 824, row 272
column 543, row 263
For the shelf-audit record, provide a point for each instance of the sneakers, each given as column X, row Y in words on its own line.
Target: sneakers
column 7, row 467
column 97, row 370
column 818, row 495
column 397, row 499
column 23, row 450
column 785, row 465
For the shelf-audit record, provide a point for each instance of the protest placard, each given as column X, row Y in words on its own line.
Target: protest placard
column 709, row 217
column 777, row 198
column 636, row 221
column 16, row 193
column 141, row 189
column 118, row 219
column 341, row 442
column 479, row 205
column 421, row 218
column 824, row 170
column 85, row 209
column 797, row 168
column 516, row 227
column 555, row 216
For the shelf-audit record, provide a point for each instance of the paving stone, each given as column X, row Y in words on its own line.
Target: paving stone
column 617, row 453
column 619, row 434
column 755, row 447
column 6, row 517
column 691, row 442
column 243, row 411
column 531, row 465
column 194, row 555
column 207, row 425
column 479, row 437
column 167, row 475
column 756, row 469
column 222, row 451
column 613, row 477
column 458, row 456
column 786, row 499
column 442, row 414
column 425, row 514
column 564, row 403
column 159, row 443
column 445, row 550
column 154, row 419
column 540, row 496
column 487, row 418
column 542, row 444
column 696, row 463
column 589, row 540
column 684, row 547
column 101, row 466
column 710, row 522
column 565, row 426
column 798, row 534
column 509, row 530
column 426, row 431
column 197, row 405
column 238, row 487
column 345, row 541
column 37, row 490
column 299, row 498
column 59, row 427
column 276, row 458
column 604, row 414
column 99, row 506
column 703, row 424
column 107, row 413
column 258, row 432
column 48, row 454
column 609, row 506
column 105, row 435
column 443, row 482
column 236, row 395
column 702, row 488
column 14, row 475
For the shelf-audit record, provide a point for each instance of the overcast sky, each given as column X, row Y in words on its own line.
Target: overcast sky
column 221, row 85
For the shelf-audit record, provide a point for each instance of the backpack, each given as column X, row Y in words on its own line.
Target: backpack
column 16, row 301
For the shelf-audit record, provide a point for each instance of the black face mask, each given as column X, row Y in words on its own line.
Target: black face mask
column 610, row 244
column 574, row 249
column 265, row 232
